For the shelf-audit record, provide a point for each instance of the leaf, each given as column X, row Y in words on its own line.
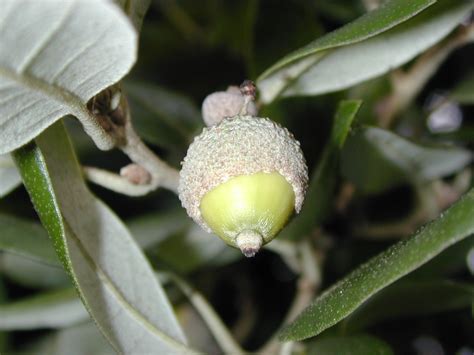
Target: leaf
column 347, row 295
column 411, row 298
column 9, row 177
column 368, row 47
column 319, row 197
column 135, row 10
column 57, row 309
column 75, row 51
column 25, row 238
column 360, row 344
column 82, row 339
column 464, row 91
column 375, row 159
column 33, row 274
column 163, row 117
column 115, row 281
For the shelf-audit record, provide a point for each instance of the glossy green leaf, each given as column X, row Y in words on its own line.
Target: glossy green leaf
column 57, row 309
column 347, row 295
column 319, row 197
column 9, row 176
column 360, row 344
column 368, row 47
column 411, row 298
column 26, row 238
column 115, row 281
column 75, row 51
column 375, row 159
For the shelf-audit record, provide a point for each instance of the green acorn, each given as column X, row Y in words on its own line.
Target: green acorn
column 242, row 179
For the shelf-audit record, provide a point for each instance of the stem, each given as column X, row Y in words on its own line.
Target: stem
column 215, row 324
column 161, row 173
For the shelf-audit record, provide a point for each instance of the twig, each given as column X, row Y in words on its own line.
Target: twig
column 407, row 85
column 111, row 110
column 215, row 324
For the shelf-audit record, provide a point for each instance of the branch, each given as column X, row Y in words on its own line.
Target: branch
column 111, row 110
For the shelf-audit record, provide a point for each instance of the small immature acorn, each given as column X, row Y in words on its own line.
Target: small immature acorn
column 222, row 104
column 242, row 179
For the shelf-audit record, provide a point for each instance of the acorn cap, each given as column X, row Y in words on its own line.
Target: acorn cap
column 224, row 104
column 240, row 145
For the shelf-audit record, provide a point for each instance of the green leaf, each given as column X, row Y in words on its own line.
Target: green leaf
column 75, row 51
column 27, row 239
column 360, row 344
column 368, row 47
column 112, row 276
column 375, row 159
column 464, row 91
column 319, row 200
column 57, row 309
column 347, row 295
column 9, row 176
column 411, row 298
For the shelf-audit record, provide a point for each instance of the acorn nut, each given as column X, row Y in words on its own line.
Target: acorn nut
column 242, row 179
column 223, row 104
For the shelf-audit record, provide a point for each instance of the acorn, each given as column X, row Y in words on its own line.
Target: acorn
column 223, row 104
column 242, row 179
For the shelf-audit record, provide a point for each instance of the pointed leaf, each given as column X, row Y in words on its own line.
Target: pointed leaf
column 115, row 281
column 370, row 46
column 347, row 295
column 54, row 56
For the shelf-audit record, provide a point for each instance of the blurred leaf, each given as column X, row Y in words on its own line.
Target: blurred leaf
column 151, row 229
column 9, row 176
column 368, row 47
column 108, row 269
column 33, row 274
column 360, row 344
column 347, row 295
column 411, row 298
column 3, row 335
column 74, row 52
column 27, row 239
column 464, row 91
column 135, row 10
column 57, row 309
column 319, row 197
column 82, row 339
column 162, row 117
column 195, row 248
column 375, row 159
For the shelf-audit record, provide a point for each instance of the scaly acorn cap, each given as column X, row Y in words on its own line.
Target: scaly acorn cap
column 249, row 174
column 224, row 104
